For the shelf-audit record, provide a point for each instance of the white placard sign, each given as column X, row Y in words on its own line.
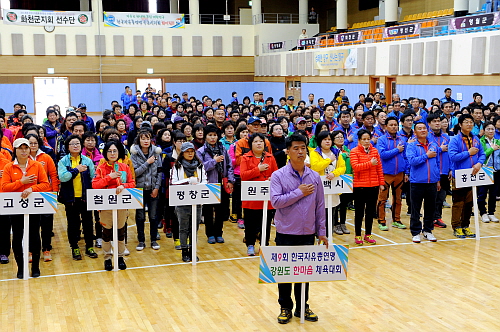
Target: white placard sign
column 255, row 190
column 47, row 18
column 107, row 199
column 339, row 185
column 464, row 177
column 194, row 194
column 303, row 263
column 35, row 203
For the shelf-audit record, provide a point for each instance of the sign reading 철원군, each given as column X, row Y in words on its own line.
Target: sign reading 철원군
column 47, row 17
column 280, row 264
column 143, row 20
column 107, row 199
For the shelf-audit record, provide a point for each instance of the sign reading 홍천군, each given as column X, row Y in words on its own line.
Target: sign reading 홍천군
column 464, row 177
column 280, row 264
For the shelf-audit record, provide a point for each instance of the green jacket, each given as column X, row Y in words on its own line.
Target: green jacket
column 488, row 150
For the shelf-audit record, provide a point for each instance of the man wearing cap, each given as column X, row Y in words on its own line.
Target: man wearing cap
column 185, row 98
column 300, row 124
column 289, row 104
column 87, row 119
column 172, row 109
column 242, row 146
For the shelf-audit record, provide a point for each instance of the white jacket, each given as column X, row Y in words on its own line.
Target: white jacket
column 177, row 176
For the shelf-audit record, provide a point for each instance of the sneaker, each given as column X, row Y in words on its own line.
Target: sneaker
column 219, row 239
column 177, row 244
column 416, row 238
column 121, row 263
column 398, row 224
column 47, row 257
column 168, row 233
column 383, row 227
column 285, row 316
column 241, row 224
column 344, row 229
column 77, row 256
column 158, row 237
column 4, row 259
column 126, row 252
column 338, row 230
column 233, row 218
column 485, row 218
column 350, row 206
column 467, row 232
column 358, row 240
column 446, row 205
column 155, row 245
column 493, row 218
column 429, row 236
column 108, row 265
column 98, row 243
column 458, row 232
column 369, row 239
column 89, row 252
column 140, row 246
column 308, row 315
column 211, row 239
column 251, row 251
column 439, row 223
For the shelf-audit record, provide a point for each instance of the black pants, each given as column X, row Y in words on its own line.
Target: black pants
column 78, row 216
column 334, row 213
column 426, row 193
column 340, row 214
column 46, row 226
column 18, row 234
column 490, row 191
column 171, row 219
column 285, row 289
column 236, row 198
column 406, row 190
column 214, row 224
column 5, row 227
column 365, row 202
column 140, row 217
column 441, row 196
column 253, row 225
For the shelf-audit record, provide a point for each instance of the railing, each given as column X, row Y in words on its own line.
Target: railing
column 282, row 18
column 215, row 19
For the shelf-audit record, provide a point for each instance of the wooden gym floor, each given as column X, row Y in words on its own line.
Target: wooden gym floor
column 451, row 285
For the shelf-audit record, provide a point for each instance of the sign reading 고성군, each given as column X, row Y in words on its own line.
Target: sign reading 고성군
column 303, row 263
column 35, row 203
column 47, row 17
column 143, row 20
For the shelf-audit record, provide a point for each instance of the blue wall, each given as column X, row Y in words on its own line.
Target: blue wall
column 427, row 92
column 17, row 93
column 223, row 90
column 327, row 91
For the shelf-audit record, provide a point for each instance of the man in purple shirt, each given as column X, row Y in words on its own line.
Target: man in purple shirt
column 298, row 197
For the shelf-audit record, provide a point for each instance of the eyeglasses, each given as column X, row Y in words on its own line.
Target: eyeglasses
column 339, row 137
column 74, row 144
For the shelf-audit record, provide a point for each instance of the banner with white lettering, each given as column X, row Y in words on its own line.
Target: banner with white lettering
column 402, row 30
column 467, row 22
column 47, row 17
column 464, row 177
column 255, row 190
column 194, row 194
column 338, row 185
column 107, row 199
column 143, row 20
column 303, row 263
column 35, row 203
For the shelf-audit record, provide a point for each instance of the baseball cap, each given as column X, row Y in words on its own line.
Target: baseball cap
column 291, row 98
column 300, row 119
column 382, row 97
column 184, row 93
column 20, row 141
column 82, row 105
column 345, row 98
column 178, row 119
column 186, row 146
column 174, row 100
column 253, row 119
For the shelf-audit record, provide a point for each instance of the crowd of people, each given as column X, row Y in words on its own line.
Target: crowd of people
column 154, row 140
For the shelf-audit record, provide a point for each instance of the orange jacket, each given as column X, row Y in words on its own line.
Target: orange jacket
column 12, row 174
column 5, row 158
column 366, row 174
column 50, row 169
column 250, row 172
column 102, row 180
column 242, row 147
column 7, row 144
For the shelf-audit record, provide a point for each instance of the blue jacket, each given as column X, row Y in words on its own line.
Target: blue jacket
column 393, row 161
column 423, row 169
column 444, row 157
column 89, row 122
column 459, row 152
column 127, row 100
column 375, row 133
column 67, row 174
column 398, row 116
column 423, row 114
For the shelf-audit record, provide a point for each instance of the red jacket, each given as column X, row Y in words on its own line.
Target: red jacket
column 12, row 175
column 250, row 172
column 102, row 180
column 366, row 174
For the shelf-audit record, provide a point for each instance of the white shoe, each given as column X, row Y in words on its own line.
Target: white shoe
column 416, row 238
column 98, row 242
column 126, row 252
column 429, row 236
column 493, row 218
column 485, row 218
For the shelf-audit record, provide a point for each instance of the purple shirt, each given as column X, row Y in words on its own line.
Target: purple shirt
column 296, row 214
